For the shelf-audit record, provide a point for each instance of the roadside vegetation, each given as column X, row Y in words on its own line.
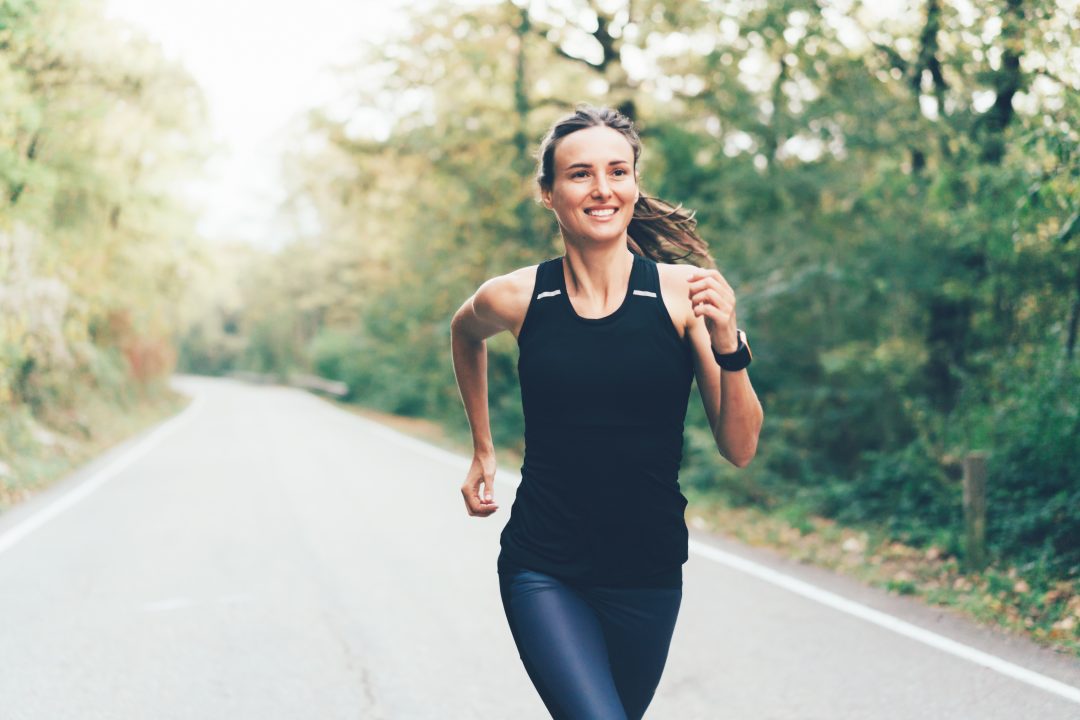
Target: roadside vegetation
column 95, row 249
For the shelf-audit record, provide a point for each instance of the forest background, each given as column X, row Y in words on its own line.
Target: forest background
column 893, row 194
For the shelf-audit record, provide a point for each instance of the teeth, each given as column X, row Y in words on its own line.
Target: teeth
column 601, row 213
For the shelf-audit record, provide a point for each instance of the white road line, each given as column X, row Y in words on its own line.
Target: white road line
column 19, row 531
column 884, row 620
column 799, row 587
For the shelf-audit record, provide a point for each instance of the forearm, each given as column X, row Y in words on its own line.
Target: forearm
column 470, row 369
column 739, row 419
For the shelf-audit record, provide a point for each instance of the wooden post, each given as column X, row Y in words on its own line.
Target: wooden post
column 975, row 511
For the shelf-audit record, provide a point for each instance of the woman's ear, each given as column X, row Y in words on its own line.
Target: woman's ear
column 545, row 197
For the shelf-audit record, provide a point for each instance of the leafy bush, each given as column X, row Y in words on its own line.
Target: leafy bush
column 907, row 492
column 339, row 355
column 1033, row 492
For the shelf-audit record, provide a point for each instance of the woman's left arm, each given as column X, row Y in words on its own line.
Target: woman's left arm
column 732, row 406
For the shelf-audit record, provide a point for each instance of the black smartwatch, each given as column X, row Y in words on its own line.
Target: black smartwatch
column 738, row 359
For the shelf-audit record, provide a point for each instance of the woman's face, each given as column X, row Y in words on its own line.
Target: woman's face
column 594, row 186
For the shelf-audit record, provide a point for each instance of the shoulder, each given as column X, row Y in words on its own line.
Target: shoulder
column 511, row 289
column 504, row 299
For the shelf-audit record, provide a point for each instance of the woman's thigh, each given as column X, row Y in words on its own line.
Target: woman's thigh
column 562, row 645
column 637, row 624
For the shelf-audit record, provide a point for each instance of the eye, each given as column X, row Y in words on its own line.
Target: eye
column 620, row 172
column 578, row 174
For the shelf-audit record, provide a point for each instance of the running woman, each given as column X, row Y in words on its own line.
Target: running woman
column 610, row 336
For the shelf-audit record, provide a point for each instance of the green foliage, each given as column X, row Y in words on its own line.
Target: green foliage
column 98, row 130
column 1034, row 437
column 15, row 436
column 340, row 356
column 202, row 351
column 894, row 200
column 906, row 491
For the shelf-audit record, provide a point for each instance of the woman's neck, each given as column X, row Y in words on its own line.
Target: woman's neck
column 598, row 275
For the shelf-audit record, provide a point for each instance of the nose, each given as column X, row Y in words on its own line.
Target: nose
column 601, row 189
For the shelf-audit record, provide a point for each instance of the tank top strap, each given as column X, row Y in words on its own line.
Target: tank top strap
column 548, row 279
column 647, row 280
column 545, row 294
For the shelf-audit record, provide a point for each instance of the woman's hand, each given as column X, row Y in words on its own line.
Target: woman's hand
column 711, row 296
column 481, row 472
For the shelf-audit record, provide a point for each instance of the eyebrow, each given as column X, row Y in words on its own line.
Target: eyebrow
column 589, row 165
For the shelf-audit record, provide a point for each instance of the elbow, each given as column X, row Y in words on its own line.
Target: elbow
column 740, row 455
column 741, row 460
column 738, row 442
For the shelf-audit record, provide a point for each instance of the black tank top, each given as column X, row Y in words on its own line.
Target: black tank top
column 604, row 401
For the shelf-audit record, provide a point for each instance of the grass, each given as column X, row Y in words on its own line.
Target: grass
column 40, row 451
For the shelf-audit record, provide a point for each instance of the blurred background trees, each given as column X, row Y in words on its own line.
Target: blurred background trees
column 94, row 246
column 892, row 192
column 892, row 189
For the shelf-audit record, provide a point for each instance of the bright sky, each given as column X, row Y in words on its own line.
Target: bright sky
column 260, row 63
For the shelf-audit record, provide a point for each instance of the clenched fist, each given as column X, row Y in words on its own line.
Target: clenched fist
column 711, row 296
column 481, row 473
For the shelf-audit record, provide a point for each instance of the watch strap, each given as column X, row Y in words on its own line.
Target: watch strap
column 736, row 360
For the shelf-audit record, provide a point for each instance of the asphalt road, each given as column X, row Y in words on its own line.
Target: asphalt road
column 267, row 555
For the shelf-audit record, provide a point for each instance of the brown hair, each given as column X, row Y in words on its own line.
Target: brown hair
column 658, row 230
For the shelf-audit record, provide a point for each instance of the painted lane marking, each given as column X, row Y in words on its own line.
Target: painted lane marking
column 886, row 621
column 799, row 587
column 65, row 502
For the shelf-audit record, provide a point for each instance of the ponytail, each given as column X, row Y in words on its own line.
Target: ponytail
column 666, row 233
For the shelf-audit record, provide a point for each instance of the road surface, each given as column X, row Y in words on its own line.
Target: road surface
column 268, row 555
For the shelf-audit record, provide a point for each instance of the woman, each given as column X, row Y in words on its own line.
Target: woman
column 610, row 337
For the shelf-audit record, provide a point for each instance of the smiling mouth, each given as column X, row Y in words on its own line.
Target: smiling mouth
column 600, row 212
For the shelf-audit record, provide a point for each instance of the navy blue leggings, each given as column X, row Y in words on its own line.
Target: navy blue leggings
column 593, row 653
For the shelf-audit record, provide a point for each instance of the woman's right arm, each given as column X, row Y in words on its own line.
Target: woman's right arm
column 499, row 304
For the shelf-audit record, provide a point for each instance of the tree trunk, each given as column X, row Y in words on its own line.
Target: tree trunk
column 1074, row 321
column 946, row 340
column 1007, row 82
